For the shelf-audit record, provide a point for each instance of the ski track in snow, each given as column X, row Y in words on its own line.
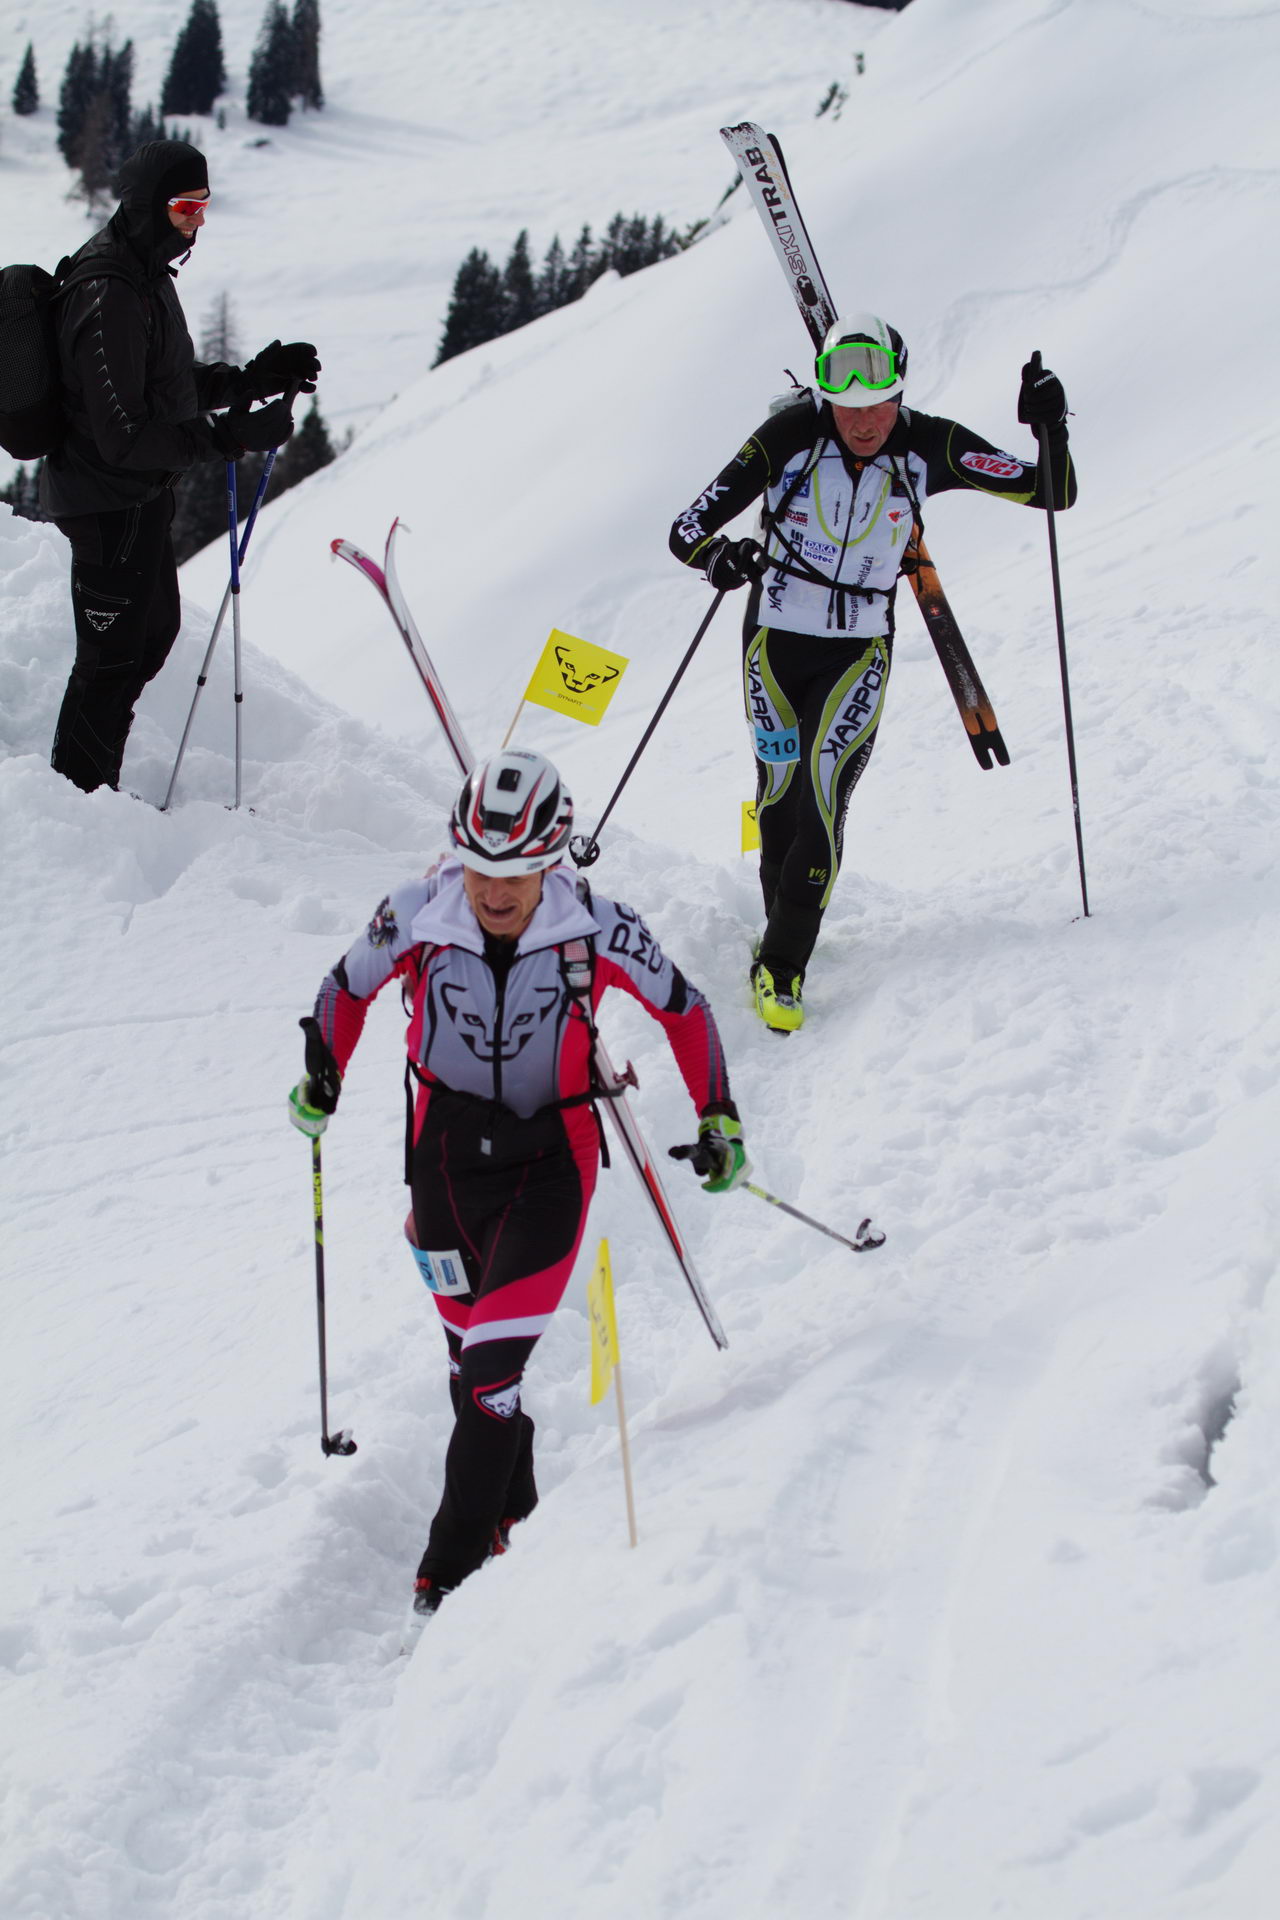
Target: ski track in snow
column 957, row 1574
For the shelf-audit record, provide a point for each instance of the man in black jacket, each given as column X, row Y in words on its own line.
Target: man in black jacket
column 138, row 412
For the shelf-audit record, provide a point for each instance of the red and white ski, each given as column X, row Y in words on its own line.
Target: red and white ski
column 386, row 582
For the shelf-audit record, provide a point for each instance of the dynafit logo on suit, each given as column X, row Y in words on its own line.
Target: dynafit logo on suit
column 573, row 676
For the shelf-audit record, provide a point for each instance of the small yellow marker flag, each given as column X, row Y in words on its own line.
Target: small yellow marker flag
column 572, row 676
column 604, row 1325
column 606, row 1365
column 750, row 829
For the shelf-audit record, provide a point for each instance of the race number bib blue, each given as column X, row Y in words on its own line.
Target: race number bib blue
column 777, row 746
column 442, row 1272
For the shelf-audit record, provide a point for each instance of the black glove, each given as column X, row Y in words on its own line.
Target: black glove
column 324, row 1082
column 278, row 368
column 1041, row 402
column 240, row 431
column 731, row 563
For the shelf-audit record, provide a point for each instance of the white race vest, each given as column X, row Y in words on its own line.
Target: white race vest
column 851, row 528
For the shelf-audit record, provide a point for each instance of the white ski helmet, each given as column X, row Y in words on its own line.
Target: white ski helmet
column 513, row 815
column 862, row 362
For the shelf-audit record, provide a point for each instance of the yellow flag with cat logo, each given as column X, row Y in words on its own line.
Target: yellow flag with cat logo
column 604, row 1325
column 572, row 676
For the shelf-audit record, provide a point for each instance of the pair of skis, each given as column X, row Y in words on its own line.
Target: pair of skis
column 760, row 162
column 385, row 582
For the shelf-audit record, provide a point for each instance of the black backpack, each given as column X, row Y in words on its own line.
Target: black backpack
column 31, row 418
column 31, row 421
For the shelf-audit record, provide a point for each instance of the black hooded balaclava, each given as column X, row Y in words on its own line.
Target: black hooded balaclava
column 148, row 180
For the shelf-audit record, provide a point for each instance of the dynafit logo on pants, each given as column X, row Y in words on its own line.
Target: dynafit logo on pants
column 501, row 1402
column 1001, row 466
column 99, row 620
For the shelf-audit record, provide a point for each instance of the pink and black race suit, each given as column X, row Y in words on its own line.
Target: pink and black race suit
column 504, row 1143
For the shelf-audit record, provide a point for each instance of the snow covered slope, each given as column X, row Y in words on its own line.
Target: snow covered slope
column 447, row 125
column 957, row 1580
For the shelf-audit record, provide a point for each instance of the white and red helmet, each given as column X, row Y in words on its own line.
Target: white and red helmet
column 513, row 815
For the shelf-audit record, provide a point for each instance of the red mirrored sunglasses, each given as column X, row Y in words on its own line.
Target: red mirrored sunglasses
column 185, row 205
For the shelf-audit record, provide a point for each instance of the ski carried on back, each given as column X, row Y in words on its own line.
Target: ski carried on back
column 761, row 164
column 632, row 1140
column 386, row 581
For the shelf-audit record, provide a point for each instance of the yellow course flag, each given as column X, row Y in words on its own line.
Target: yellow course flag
column 604, row 1325
column 574, row 677
column 750, row 830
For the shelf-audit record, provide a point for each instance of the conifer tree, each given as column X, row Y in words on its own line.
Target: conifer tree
column 549, row 292
column 583, row 268
column 611, row 246
column 519, row 304
column 306, row 54
column 26, row 92
column 305, row 454
column 197, row 71
column 220, row 336
column 662, row 242
column 115, row 81
column 23, row 492
column 271, row 69
column 144, row 128
column 78, row 83
column 94, row 117
column 200, row 507
column 475, row 307
column 94, row 154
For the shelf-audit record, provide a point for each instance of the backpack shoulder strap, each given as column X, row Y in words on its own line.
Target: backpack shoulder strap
column 578, row 971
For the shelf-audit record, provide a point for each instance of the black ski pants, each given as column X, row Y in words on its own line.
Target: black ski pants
column 511, row 1197
column 813, row 705
column 124, row 591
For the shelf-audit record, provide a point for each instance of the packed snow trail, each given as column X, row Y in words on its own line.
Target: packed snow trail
column 959, row 1569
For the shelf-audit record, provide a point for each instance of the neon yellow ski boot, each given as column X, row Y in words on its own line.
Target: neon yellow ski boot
column 777, row 999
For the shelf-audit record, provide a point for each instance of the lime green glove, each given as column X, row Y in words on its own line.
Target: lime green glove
column 720, row 1135
column 316, row 1095
column 306, row 1118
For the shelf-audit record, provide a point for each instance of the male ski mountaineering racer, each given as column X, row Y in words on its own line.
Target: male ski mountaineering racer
column 845, row 471
column 504, row 957
column 136, row 410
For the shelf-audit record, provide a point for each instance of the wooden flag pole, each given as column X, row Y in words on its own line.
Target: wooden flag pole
column 626, row 1453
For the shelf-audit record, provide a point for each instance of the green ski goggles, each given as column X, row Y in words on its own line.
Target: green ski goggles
column 857, row 362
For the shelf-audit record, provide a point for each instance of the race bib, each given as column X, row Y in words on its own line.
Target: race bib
column 777, row 746
column 442, row 1272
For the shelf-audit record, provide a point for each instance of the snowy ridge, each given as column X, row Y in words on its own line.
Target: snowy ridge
column 957, row 1573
